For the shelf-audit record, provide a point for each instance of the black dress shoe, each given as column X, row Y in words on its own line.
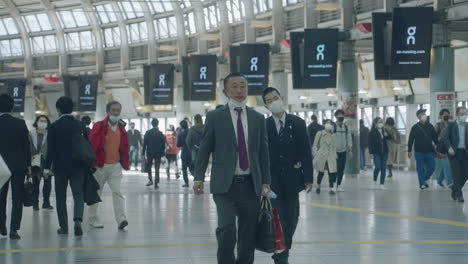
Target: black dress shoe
column 317, row 191
column 36, row 207
column 78, row 230
column 62, row 231
column 14, row 235
column 47, row 206
column 460, row 200
column 123, row 225
column 3, row 231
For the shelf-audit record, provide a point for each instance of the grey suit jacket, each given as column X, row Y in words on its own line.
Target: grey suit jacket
column 219, row 139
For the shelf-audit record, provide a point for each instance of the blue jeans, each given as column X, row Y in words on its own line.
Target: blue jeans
column 380, row 163
column 362, row 159
column 134, row 155
column 425, row 165
column 445, row 171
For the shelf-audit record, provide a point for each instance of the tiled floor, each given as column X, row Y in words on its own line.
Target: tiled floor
column 171, row 225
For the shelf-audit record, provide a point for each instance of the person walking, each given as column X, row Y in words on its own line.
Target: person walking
column 393, row 143
column 443, row 170
column 154, row 144
column 290, row 165
column 378, row 148
column 423, row 136
column 344, row 146
column 325, row 156
column 236, row 136
column 172, row 152
column 134, row 140
column 185, row 153
column 110, row 142
column 194, row 137
column 65, row 169
column 456, row 139
column 363, row 142
column 86, row 122
column 16, row 152
column 38, row 140
column 313, row 128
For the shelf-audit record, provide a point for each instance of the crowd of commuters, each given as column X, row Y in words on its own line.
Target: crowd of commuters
column 251, row 156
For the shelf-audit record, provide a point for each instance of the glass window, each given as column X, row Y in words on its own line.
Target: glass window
column 37, row 23
column 73, row 18
column 132, row 9
column 166, row 27
column 189, row 19
column 44, row 44
column 111, row 37
column 235, row 10
column 172, row 26
column 86, row 40
column 106, row 14
column 10, row 47
column 138, row 32
column 185, row 3
column 161, row 6
column 401, row 120
column 367, row 116
column 80, row 40
column 262, row 6
column 211, row 17
column 291, row 2
column 8, row 27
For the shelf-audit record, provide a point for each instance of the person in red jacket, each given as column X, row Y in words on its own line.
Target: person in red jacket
column 172, row 151
column 110, row 142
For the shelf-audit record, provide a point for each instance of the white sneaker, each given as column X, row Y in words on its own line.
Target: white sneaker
column 340, row 189
column 382, row 187
column 96, row 225
column 375, row 185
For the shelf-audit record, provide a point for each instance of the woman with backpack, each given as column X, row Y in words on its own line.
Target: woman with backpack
column 379, row 149
column 324, row 153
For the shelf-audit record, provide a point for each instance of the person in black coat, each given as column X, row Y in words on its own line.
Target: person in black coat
column 313, row 129
column 455, row 138
column 154, row 144
column 290, row 164
column 16, row 152
column 379, row 149
column 185, row 155
column 65, row 168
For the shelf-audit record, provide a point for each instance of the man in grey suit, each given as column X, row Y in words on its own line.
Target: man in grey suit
column 236, row 136
column 455, row 138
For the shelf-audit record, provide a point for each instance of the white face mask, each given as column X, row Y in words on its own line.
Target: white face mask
column 237, row 104
column 114, row 119
column 276, row 107
column 463, row 118
column 379, row 125
column 42, row 125
column 423, row 118
column 328, row 127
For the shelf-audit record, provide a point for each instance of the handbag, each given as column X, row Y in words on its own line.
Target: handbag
column 280, row 244
column 28, row 198
column 265, row 237
column 82, row 151
column 5, row 172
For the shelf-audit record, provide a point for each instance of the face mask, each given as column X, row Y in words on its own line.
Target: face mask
column 423, row 118
column 379, row 125
column 462, row 118
column 276, row 107
column 328, row 127
column 114, row 119
column 340, row 119
column 237, row 104
column 446, row 118
column 42, row 125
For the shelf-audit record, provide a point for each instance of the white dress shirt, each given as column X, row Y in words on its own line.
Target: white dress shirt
column 234, row 116
column 277, row 122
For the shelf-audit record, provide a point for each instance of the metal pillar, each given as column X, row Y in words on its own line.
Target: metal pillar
column 29, row 114
column 101, row 101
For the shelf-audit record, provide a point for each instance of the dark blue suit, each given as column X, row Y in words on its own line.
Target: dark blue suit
column 291, row 168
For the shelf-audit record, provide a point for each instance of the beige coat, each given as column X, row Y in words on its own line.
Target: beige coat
column 392, row 144
column 324, row 151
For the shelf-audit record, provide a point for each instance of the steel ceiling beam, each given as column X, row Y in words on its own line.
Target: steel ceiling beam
column 97, row 31
column 152, row 47
column 181, row 38
column 200, row 26
column 249, row 32
column 124, row 46
column 225, row 28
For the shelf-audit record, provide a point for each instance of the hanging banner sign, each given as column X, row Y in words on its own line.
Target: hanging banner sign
column 87, row 96
column 297, row 59
column 411, row 42
column 445, row 100
column 200, row 73
column 16, row 88
column 381, row 27
column 254, row 63
column 159, row 84
column 320, row 58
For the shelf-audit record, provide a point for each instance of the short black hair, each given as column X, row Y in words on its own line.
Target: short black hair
column 183, row 124
column 39, row 117
column 155, row 122
column 267, row 91
column 314, row 118
column 232, row 75
column 6, row 103
column 339, row 111
column 110, row 104
column 460, row 108
column 445, row 110
column 86, row 120
column 219, row 106
column 390, row 121
column 132, row 123
column 198, row 118
column 65, row 105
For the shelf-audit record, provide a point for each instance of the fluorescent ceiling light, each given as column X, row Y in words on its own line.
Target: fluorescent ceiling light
column 302, row 97
column 167, row 48
column 328, row 6
column 397, row 88
column 210, row 37
column 261, row 24
column 330, row 94
column 363, row 92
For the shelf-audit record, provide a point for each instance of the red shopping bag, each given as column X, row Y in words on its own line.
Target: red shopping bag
column 280, row 245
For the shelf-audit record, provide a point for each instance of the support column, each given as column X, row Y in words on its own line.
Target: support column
column 101, row 101
column 182, row 108
column 29, row 114
column 279, row 78
column 348, row 86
